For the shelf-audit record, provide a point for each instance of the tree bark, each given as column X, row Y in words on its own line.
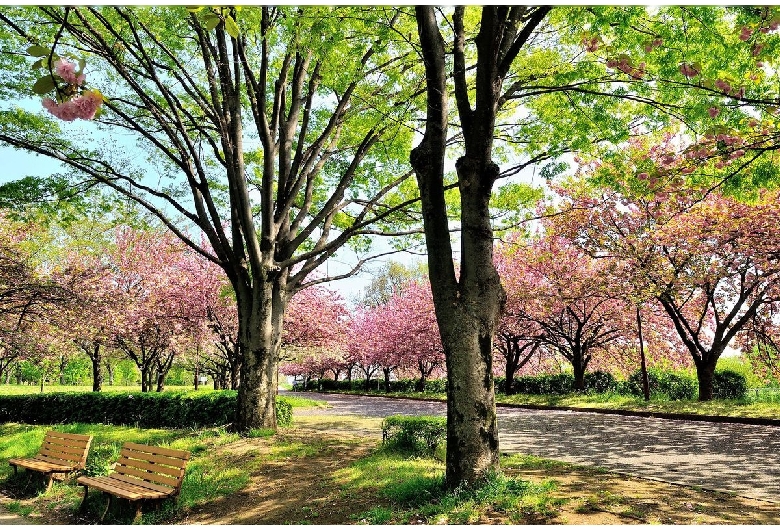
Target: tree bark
column 705, row 373
column 260, row 327
column 97, row 373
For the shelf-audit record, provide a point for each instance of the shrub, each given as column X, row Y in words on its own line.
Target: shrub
column 729, row 384
column 600, row 382
column 145, row 409
column 676, row 386
column 545, row 384
column 420, row 435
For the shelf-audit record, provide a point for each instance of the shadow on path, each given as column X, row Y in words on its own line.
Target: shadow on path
column 731, row 457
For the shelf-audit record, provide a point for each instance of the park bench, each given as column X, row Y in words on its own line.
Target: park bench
column 60, row 453
column 142, row 473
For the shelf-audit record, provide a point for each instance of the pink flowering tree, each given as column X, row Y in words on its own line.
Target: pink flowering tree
column 709, row 260
column 565, row 300
column 160, row 301
column 315, row 334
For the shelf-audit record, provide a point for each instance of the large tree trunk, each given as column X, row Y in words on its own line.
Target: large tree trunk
column 468, row 307
column 705, row 373
column 260, row 328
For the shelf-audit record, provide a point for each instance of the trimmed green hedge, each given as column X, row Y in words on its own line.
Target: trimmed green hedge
column 144, row 409
column 420, row 435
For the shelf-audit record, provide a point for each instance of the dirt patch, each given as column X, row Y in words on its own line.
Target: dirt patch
column 292, row 489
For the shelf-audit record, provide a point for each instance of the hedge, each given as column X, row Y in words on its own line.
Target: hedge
column 419, row 434
column 144, row 409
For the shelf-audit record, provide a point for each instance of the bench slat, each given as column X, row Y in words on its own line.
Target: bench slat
column 69, row 436
column 60, row 455
column 155, row 459
column 152, row 477
column 142, row 483
column 177, row 453
column 152, row 468
column 40, row 465
column 120, row 489
column 69, row 446
column 55, row 461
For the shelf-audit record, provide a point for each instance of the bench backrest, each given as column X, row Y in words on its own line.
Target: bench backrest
column 153, row 467
column 65, row 448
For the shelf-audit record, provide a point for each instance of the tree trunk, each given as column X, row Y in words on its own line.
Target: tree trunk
column 509, row 378
column 705, row 373
column 260, row 327
column 110, row 373
column 579, row 377
column 387, row 378
column 63, row 366
column 97, row 373
column 643, row 361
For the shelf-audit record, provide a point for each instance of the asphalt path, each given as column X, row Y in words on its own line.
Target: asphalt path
column 732, row 457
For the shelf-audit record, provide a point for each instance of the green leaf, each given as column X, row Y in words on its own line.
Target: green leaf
column 44, row 85
column 38, row 64
column 38, row 51
column 211, row 22
column 231, row 27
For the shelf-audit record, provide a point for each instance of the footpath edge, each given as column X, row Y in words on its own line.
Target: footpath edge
column 771, row 422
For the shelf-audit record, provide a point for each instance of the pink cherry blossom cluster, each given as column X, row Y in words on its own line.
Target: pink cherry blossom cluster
column 67, row 71
column 83, row 106
column 649, row 45
column 624, row 65
column 591, row 44
column 726, row 88
column 688, row 70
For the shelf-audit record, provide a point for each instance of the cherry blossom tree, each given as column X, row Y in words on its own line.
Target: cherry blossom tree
column 565, row 300
column 160, row 301
column 709, row 260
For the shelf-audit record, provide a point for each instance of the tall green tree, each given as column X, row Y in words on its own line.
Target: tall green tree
column 278, row 132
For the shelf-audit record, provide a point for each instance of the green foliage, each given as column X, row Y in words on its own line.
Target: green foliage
column 728, row 384
column 675, row 385
column 545, row 384
column 164, row 409
column 741, row 365
column 600, row 382
column 420, row 435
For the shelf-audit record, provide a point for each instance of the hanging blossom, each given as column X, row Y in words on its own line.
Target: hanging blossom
column 83, row 106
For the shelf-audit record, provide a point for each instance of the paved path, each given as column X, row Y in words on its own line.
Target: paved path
column 724, row 456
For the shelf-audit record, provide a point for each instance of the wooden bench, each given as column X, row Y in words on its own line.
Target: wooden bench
column 60, row 453
column 142, row 473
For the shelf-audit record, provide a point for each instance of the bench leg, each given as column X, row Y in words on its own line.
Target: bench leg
column 84, row 499
column 108, row 506
column 48, row 478
column 137, row 505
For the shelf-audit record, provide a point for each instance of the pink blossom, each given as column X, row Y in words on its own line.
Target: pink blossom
column 591, row 44
column 713, row 111
column 745, row 33
column 736, row 154
column 723, row 86
column 80, row 107
column 643, row 176
column 688, row 70
column 67, row 71
column 757, row 49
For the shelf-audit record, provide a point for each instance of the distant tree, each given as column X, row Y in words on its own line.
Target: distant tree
column 709, row 260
